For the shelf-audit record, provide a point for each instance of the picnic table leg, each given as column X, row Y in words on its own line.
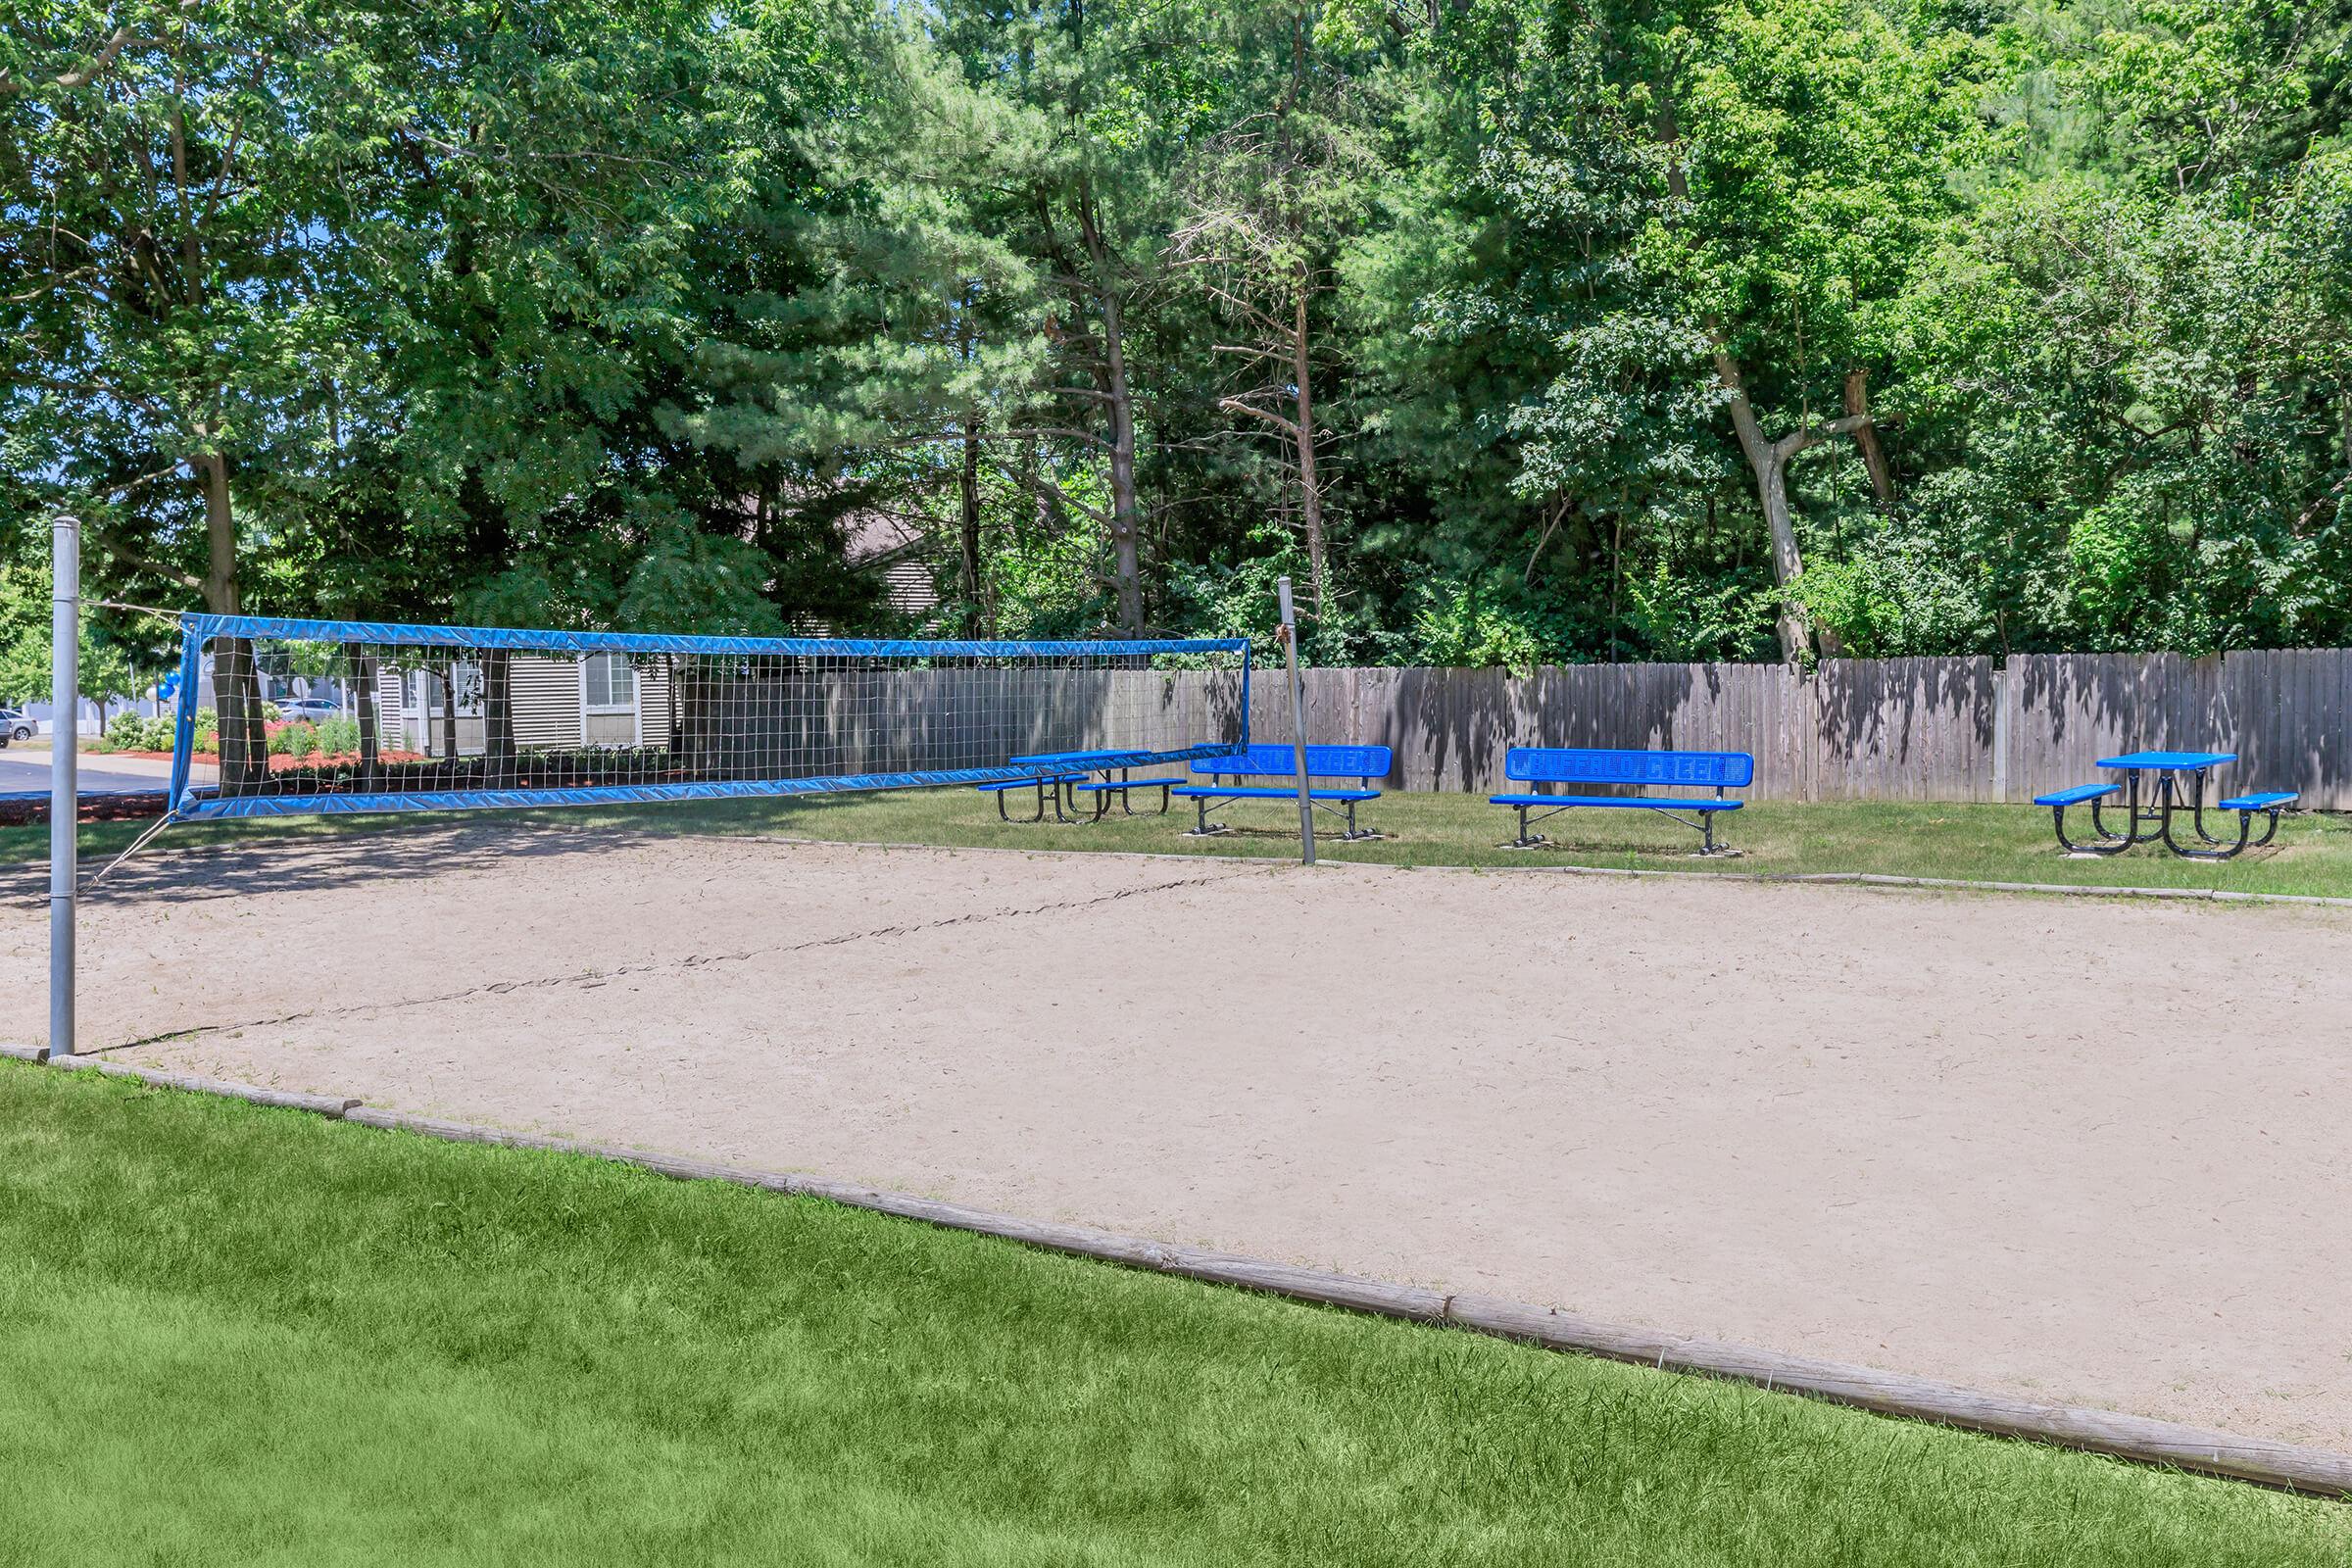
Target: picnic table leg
column 2196, row 798
column 2221, row 851
column 2109, row 843
column 2098, row 821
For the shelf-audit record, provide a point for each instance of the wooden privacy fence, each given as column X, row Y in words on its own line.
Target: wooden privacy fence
column 1881, row 729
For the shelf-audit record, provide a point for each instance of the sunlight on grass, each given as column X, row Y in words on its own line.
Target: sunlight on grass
column 246, row 1335
column 2313, row 855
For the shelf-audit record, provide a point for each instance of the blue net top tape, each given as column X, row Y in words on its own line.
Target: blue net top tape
column 205, row 627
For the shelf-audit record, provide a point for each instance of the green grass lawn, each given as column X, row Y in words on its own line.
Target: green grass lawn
column 250, row 1336
column 1970, row 843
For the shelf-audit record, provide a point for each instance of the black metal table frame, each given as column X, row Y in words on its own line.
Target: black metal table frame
column 2159, row 810
column 1061, row 791
column 1120, row 786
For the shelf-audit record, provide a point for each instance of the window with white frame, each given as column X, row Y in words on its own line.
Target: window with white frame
column 612, row 684
column 428, row 689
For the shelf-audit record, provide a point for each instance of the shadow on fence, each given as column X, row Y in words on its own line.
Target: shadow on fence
column 1893, row 729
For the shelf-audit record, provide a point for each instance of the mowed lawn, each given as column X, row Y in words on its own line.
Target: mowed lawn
column 2313, row 853
column 250, row 1336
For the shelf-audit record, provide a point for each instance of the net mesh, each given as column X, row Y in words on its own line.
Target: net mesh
column 281, row 716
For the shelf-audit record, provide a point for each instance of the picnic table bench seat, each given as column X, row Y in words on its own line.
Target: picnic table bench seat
column 1040, row 783
column 1362, row 763
column 1565, row 765
column 2076, row 796
column 2268, row 801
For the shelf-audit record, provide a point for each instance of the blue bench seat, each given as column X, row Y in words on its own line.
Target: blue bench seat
column 1645, row 802
column 1052, row 782
column 2268, row 801
column 1262, row 792
column 1633, row 770
column 2077, row 795
column 1362, row 763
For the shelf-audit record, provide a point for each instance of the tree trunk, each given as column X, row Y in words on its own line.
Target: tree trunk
column 1126, row 519
column 1770, row 467
column 678, row 727
column 498, row 717
column 1767, row 461
column 1311, row 488
column 1866, row 437
column 967, row 531
column 448, row 712
column 1049, row 523
column 236, row 692
column 364, row 705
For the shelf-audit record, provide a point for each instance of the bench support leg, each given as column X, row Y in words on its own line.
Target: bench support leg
column 2221, row 851
column 1524, row 840
column 2111, row 845
column 1708, row 848
column 1205, row 828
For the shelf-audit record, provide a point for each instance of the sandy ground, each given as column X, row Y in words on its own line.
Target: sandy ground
column 2079, row 1150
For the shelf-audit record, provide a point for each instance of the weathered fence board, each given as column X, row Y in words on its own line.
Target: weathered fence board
column 1894, row 729
column 1897, row 729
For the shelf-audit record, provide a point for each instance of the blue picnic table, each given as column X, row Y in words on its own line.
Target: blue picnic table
column 2157, row 787
column 1066, row 775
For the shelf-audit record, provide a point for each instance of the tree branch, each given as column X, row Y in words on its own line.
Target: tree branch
column 1288, row 427
column 84, row 76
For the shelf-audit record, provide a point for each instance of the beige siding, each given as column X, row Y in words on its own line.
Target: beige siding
column 547, row 701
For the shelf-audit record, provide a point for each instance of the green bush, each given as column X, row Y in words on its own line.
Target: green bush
column 301, row 740
column 131, row 732
column 339, row 737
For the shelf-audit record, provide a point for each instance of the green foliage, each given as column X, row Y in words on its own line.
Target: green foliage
column 674, row 316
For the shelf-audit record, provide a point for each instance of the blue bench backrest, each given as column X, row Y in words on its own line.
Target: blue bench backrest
column 1550, row 765
column 1280, row 762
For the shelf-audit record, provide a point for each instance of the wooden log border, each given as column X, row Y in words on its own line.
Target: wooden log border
column 2289, row 1466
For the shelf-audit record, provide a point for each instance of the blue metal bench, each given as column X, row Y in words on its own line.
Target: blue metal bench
column 1559, row 764
column 1363, row 763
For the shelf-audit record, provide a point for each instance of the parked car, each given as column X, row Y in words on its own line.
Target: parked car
column 307, row 710
column 17, row 726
